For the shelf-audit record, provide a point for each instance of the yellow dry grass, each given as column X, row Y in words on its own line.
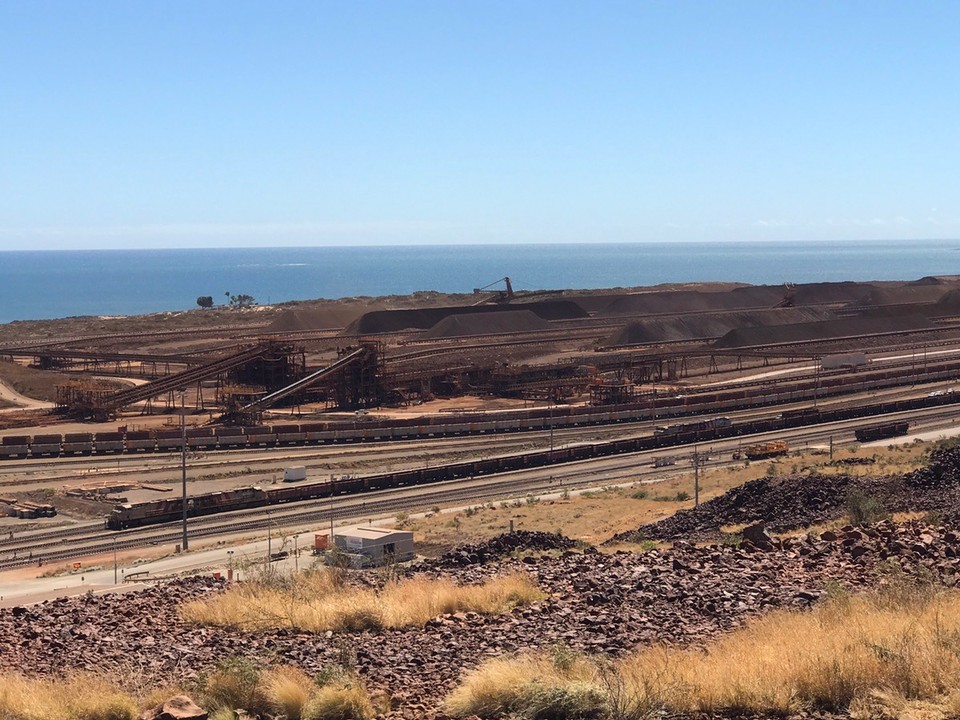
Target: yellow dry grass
column 339, row 702
column 288, row 691
column 316, row 600
column 886, row 655
column 529, row 686
column 285, row 693
column 81, row 697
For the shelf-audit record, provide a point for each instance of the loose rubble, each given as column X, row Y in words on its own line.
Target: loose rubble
column 500, row 547
column 598, row 603
column 797, row 501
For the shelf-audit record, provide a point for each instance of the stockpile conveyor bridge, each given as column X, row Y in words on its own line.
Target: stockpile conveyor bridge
column 102, row 406
column 358, row 373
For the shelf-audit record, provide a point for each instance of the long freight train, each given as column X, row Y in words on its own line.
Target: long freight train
column 158, row 511
column 314, row 433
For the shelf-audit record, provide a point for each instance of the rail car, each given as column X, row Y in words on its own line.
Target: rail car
column 14, row 447
column 330, row 432
column 711, row 424
column 881, row 432
column 166, row 510
column 77, row 444
column 771, row 449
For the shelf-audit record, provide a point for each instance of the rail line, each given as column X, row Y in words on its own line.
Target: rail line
column 87, row 541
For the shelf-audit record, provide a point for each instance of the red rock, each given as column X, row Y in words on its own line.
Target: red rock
column 179, row 707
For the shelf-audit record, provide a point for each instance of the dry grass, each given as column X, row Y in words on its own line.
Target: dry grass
column 81, row 697
column 530, row 687
column 887, row 655
column 285, row 693
column 597, row 516
column 317, row 600
column 288, row 691
column 339, row 702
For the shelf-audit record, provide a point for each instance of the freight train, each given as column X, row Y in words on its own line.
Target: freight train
column 158, row 511
column 315, row 433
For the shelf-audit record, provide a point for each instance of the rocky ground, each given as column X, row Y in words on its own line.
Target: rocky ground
column 798, row 501
column 598, row 603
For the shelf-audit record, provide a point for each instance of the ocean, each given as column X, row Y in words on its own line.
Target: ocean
column 53, row 284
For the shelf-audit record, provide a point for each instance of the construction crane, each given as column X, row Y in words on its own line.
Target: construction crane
column 502, row 296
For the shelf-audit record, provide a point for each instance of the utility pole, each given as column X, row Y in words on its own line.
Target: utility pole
column 266, row 565
column 696, row 477
column 183, row 460
column 114, row 559
column 551, row 424
column 331, row 512
column 816, row 389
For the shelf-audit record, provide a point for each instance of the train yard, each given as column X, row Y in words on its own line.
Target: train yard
column 453, row 403
column 88, row 539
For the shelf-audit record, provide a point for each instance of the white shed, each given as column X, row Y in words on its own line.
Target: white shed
column 377, row 545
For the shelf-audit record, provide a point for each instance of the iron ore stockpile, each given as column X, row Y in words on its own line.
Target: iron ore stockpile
column 564, row 347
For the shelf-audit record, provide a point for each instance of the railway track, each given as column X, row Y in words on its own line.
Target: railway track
column 87, row 540
column 255, row 466
column 92, row 543
column 331, row 458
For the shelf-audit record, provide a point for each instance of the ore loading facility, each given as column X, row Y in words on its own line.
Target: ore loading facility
column 648, row 370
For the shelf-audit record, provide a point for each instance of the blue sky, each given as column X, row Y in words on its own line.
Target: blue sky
column 209, row 124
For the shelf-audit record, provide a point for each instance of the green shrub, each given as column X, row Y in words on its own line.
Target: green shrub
column 864, row 508
column 731, row 539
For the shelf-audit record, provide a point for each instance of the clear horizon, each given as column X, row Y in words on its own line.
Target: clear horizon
column 236, row 124
column 878, row 241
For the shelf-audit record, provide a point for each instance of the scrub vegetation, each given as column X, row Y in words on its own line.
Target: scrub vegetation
column 320, row 600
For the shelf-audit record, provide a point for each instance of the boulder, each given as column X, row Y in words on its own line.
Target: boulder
column 757, row 536
column 179, row 707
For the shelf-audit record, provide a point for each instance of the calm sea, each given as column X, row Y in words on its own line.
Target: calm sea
column 53, row 284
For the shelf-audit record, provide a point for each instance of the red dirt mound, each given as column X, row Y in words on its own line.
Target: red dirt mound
column 301, row 319
column 741, row 298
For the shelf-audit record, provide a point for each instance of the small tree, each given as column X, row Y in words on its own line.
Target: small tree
column 205, row 301
column 241, row 301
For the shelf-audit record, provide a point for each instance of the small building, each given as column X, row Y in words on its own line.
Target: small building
column 376, row 545
column 850, row 361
